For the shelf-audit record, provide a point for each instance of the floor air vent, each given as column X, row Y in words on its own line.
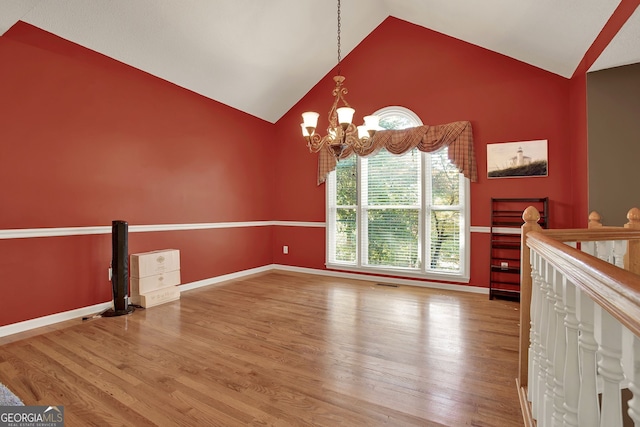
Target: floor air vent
column 388, row 285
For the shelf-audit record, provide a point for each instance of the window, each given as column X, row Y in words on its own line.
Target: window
column 403, row 215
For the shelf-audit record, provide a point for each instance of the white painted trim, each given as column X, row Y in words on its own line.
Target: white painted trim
column 27, row 233
column 479, row 229
column 299, row 224
column 224, row 278
column 195, row 226
column 39, row 322
column 487, row 230
column 507, row 230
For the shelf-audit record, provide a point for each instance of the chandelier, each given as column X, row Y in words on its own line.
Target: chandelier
column 341, row 133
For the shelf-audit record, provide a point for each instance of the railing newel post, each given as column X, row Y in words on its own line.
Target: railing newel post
column 632, row 256
column 531, row 216
column 595, row 220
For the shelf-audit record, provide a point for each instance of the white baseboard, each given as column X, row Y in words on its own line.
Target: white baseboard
column 225, row 278
column 39, row 322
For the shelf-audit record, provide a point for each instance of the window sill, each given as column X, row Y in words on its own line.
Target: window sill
column 393, row 272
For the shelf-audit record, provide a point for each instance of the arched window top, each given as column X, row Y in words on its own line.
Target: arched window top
column 396, row 117
column 404, row 215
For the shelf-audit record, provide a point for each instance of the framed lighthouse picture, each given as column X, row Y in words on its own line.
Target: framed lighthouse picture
column 517, row 159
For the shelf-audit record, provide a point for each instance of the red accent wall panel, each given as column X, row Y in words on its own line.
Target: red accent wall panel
column 209, row 253
column 86, row 140
column 580, row 156
column 623, row 12
column 306, row 246
column 88, row 146
column 47, row 275
column 441, row 79
column 43, row 276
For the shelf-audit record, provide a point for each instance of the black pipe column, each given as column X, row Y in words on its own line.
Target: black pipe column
column 119, row 269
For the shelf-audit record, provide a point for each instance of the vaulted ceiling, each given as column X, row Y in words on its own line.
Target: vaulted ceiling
column 262, row 56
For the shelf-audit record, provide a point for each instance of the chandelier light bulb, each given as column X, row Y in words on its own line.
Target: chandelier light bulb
column 310, row 119
column 345, row 116
column 363, row 132
column 372, row 122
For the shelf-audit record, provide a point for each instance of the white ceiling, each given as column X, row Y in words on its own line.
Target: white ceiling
column 262, row 56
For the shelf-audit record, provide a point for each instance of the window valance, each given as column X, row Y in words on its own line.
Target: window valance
column 457, row 136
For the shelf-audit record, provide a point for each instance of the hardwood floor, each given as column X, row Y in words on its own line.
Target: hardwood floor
column 281, row 350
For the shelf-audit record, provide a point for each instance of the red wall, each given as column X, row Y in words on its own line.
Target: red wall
column 86, row 140
column 442, row 80
column 580, row 157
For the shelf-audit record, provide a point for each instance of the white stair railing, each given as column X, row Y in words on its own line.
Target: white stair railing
column 580, row 330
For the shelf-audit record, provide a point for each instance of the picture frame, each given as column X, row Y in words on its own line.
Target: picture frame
column 522, row 159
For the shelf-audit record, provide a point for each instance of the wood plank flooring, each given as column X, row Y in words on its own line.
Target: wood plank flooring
column 281, row 350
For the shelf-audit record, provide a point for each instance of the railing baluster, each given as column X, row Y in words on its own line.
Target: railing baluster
column 571, row 371
column 550, row 345
column 541, row 381
column 560, row 350
column 609, row 367
column 634, row 386
column 534, row 336
column 604, row 250
column 588, row 247
column 588, row 407
column 619, row 250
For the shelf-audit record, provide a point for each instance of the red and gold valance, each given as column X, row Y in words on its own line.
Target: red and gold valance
column 457, row 136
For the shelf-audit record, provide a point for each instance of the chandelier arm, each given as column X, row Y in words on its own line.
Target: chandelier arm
column 353, row 141
column 315, row 143
column 360, row 145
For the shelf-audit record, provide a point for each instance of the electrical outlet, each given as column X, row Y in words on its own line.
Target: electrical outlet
column 285, row 249
column 504, row 265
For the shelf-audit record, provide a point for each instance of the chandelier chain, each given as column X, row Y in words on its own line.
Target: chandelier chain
column 339, row 27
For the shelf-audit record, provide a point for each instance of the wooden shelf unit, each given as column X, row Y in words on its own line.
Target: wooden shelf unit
column 506, row 221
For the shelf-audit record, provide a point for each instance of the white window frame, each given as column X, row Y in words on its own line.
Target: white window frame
column 425, row 209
